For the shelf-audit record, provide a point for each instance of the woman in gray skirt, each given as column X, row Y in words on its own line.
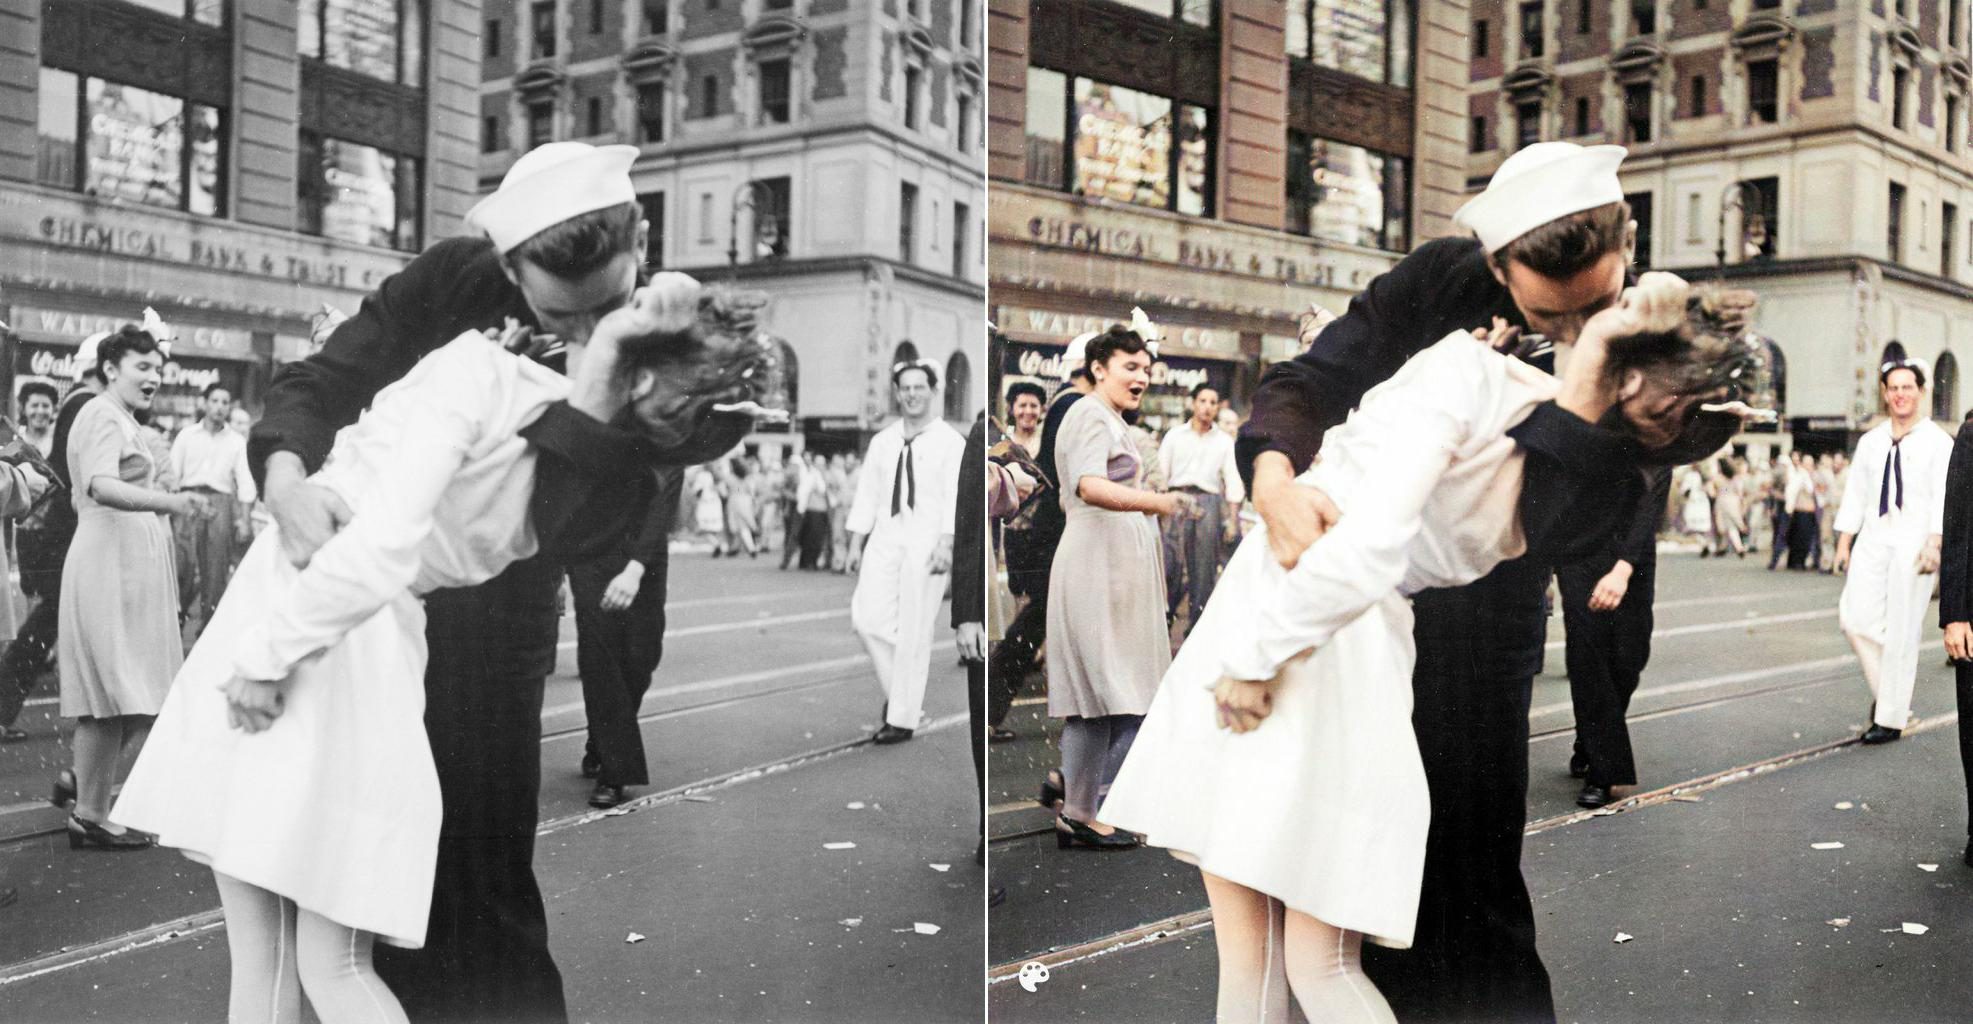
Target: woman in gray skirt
column 1108, row 645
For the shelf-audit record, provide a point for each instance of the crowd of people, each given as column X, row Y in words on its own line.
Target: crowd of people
column 1729, row 502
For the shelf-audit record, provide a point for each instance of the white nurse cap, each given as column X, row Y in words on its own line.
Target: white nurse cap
column 85, row 356
column 1072, row 357
column 553, row 183
column 1543, row 182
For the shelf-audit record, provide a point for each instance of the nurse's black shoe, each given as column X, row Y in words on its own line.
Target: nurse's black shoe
column 1079, row 834
column 1878, row 734
column 1593, row 796
column 1002, row 734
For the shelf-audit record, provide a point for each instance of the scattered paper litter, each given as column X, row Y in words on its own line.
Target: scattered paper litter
column 1604, row 813
column 948, row 867
column 1928, row 867
column 855, row 805
column 1623, row 937
column 931, row 929
column 1838, row 922
column 1689, row 799
column 1825, row 846
column 850, row 922
column 1844, row 805
column 839, row 846
column 633, row 937
column 1911, row 928
column 700, row 799
column 616, row 812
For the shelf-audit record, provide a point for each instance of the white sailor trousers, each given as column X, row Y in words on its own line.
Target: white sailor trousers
column 1884, row 600
column 895, row 610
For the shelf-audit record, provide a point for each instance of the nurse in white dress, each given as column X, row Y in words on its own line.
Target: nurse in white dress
column 1278, row 755
column 290, row 755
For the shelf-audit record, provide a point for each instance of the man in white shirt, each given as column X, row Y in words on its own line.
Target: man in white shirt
column 1893, row 510
column 210, row 458
column 900, row 544
column 812, row 506
column 1197, row 458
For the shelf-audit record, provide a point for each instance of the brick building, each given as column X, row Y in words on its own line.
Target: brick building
column 235, row 163
column 827, row 151
column 1220, row 164
column 1818, row 146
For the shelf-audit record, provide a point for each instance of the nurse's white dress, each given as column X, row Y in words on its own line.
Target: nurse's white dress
column 336, row 806
column 1324, row 806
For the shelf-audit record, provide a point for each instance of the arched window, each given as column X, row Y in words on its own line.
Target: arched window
column 958, row 388
column 906, row 352
column 1945, row 388
column 1777, row 362
column 790, row 373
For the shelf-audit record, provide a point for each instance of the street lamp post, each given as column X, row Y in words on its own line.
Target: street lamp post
column 1735, row 195
column 746, row 195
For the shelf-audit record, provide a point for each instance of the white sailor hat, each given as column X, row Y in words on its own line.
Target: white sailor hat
column 85, row 356
column 1543, row 182
column 553, row 183
column 1072, row 357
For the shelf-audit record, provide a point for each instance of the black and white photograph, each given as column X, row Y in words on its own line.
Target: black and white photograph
column 490, row 527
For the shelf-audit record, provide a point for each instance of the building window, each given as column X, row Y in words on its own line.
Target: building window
column 1370, row 39
column 595, row 17
column 774, row 91
column 773, row 220
column 1760, row 222
column 207, row 12
column 1582, row 115
column 1195, row 12
column 1582, row 17
column 1948, row 223
column 653, row 204
column 1531, row 34
column 1900, row 79
column 492, row 38
column 1343, row 193
column 1952, row 123
column 1894, row 228
column 907, row 220
column 358, row 194
column 1763, row 92
column 1527, row 124
column 594, row 120
column 125, row 144
column 962, row 128
column 1477, row 139
column 541, row 122
column 657, row 17
column 1640, row 211
column 911, row 77
column 1118, row 144
column 962, row 230
column 492, row 138
column 380, row 38
column 1644, row 16
column 544, row 29
column 1480, row 41
column 709, row 96
column 1698, row 95
column 651, row 112
column 1637, row 112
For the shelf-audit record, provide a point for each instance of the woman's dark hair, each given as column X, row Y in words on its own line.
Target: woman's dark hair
column 582, row 243
column 1026, row 387
column 1100, row 348
column 111, row 350
column 1709, row 357
column 39, row 387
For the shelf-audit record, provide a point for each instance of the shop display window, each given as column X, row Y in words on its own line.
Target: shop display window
column 125, row 144
column 1106, row 141
column 1348, row 194
column 358, row 193
column 380, row 38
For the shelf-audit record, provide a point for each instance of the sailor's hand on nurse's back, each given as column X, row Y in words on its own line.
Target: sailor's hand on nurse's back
column 1295, row 515
column 307, row 514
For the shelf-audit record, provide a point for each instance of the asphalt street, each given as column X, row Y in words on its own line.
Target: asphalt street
column 712, row 898
column 1700, row 898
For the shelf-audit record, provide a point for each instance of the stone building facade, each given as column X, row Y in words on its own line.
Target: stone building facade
column 1817, row 147
column 826, row 151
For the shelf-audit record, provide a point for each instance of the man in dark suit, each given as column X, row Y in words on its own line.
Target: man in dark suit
column 969, row 554
column 564, row 247
column 1956, row 599
column 1555, row 247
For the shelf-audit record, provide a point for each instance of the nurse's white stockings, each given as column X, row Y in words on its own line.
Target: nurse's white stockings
column 1266, row 951
column 279, row 951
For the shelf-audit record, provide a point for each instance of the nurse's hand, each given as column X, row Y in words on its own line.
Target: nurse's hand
column 1243, row 703
column 1928, row 556
column 252, row 705
column 1959, row 641
column 1296, row 516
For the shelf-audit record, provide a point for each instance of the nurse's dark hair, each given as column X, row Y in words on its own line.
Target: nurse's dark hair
column 1107, row 344
column 583, row 243
column 729, row 318
column 1567, row 246
column 1710, row 357
column 125, row 340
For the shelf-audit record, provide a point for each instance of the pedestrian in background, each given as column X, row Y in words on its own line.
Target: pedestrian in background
column 812, row 511
column 1777, row 502
column 901, row 544
column 1025, row 402
column 209, row 458
column 842, row 491
column 37, row 402
column 1729, row 509
column 1799, row 496
column 708, row 508
column 619, row 599
column 1108, row 646
column 1197, row 460
column 742, row 525
column 119, row 645
column 788, row 505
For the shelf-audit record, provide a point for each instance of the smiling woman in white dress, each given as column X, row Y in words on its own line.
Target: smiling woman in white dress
column 319, row 813
column 1278, row 756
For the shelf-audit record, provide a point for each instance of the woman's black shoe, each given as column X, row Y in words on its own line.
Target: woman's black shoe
column 1052, row 793
column 1002, row 735
column 64, row 793
column 96, row 837
column 1079, row 834
column 1593, row 796
column 605, row 796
